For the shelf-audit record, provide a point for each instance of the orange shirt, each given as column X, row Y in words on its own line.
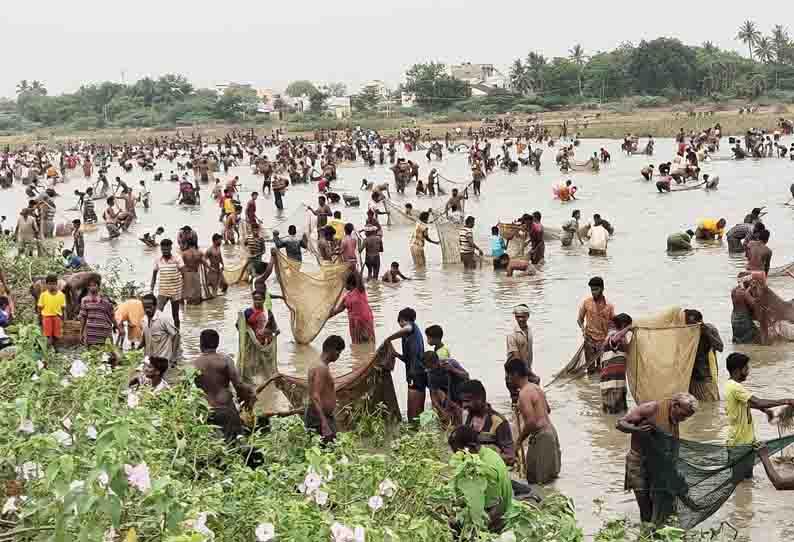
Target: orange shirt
column 597, row 317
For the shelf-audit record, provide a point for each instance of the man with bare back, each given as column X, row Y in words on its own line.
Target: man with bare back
column 319, row 415
column 543, row 457
column 213, row 259
column 191, row 276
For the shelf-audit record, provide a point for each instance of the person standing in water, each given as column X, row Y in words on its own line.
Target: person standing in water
column 320, row 412
column 418, row 239
column 359, row 314
column 595, row 314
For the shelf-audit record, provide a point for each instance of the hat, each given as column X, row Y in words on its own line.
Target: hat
column 521, row 309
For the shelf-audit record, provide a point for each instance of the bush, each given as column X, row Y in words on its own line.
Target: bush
column 527, row 109
column 652, row 101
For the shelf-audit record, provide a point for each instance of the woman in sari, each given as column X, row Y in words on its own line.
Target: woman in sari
column 359, row 314
column 418, row 240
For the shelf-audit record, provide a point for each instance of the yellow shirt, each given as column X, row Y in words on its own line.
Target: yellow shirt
column 51, row 304
column 737, row 405
column 710, row 225
column 339, row 228
column 228, row 206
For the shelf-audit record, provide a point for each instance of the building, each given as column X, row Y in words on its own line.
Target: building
column 380, row 88
column 221, row 88
column 339, row 107
column 478, row 74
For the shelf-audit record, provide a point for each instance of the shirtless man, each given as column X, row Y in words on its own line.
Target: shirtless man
column 319, row 415
column 191, row 281
column 759, row 255
column 647, row 172
column 324, row 246
column 394, row 275
column 217, row 373
column 323, row 212
column 664, row 415
column 456, row 200
column 543, row 457
column 213, row 260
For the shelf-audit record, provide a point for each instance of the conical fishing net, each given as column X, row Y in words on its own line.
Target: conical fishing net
column 255, row 362
column 310, row 295
column 448, row 233
column 398, row 216
column 691, row 479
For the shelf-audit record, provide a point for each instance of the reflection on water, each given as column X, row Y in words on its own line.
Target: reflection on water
column 474, row 307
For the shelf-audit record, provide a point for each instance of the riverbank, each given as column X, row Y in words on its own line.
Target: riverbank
column 604, row 123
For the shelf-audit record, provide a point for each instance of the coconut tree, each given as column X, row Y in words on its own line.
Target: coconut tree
column 709, row 48
column 518, row 77
column 764, row 50
column 578, row 57
column 37, row 87
column 781, row 43
column 749, row 35
column 23, row 86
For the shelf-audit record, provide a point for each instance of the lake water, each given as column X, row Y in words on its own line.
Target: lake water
column 474, row 307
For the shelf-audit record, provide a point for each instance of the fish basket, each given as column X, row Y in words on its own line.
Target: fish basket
column 508, row 231
column 71, row 332
column 13, row 488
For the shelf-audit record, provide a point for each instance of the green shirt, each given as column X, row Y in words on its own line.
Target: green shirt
column 737, row 407
column 443, row 352
column 679, row 238
column 500, row 489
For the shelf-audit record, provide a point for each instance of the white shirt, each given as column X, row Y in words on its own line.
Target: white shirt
column 599, row 237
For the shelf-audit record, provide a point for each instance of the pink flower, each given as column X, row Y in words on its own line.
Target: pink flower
column 26, row 426
column 78, row 369
column 375, row 503
column 138, row 477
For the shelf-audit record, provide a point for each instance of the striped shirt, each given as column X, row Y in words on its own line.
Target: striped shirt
column 88, row 210
column 169, row 272
column 255, row 246
column 466, row 240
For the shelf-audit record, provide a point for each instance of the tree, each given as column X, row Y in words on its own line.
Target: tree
column 709, row 48
column 579, row 58
column 367, row 100
column 519, row 80
column 663, row 64
column 749, row 35
column 781, row 43
column 23, row 86
column 536, row 66
column 338, row 90
column 764, row 50
column 296, row 89
column 236, row 100
column 433, row 87
column 317, row 102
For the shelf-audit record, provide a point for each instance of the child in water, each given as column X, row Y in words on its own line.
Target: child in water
column 151, row 240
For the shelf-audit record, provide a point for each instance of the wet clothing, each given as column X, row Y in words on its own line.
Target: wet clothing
column 744, row 329
column 97, row 312
column 413, row 348
column 543, row 457
column 740, row 420
column 679, row 241
column 361, row 322
column 704, row 373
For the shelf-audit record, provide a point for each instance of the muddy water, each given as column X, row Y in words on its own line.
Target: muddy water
column 474, row 308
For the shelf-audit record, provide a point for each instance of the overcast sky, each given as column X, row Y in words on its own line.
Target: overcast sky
column 269, row 43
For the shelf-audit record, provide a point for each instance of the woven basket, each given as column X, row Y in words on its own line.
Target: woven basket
column 508, row 231
column 71, row 332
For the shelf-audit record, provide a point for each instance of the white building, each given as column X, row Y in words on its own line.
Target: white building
column 478, row 74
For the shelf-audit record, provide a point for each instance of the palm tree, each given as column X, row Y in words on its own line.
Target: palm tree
column 535, row 66
column 764, row 49
column 579, row 58
column 781, row 43
column 37, row 87
column 23, row 86
column 709, row 48
column 518, row 77
column 749, row 35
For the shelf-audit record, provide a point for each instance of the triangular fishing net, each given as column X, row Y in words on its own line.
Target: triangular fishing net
column 310, row 295
column 256, row 363
column 398, row 216
column 661, row 355
column 692, row 480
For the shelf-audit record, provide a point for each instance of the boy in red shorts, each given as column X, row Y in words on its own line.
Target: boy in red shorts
column 51, row 304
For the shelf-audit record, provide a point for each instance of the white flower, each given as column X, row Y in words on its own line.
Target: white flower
column 105, row 357
column 387, row 488
column 34, row 378
column 110, row 535
column 91, row 432
column 312, row 482
column 103, row 479
column 39, row 365
column 344, row 460
column 321, row 497
column 329, row 473
column 76, row 485
column 265, row 532
column 78, row 369
column 29, row 471
column 340, row 533
column 26, row 426
column 359, row 534
column 138, row 476
column 62, row 437
column 507, row 536
column 67, row 422
column 103, row 370
column 375, row 502
column 10, row 506
column 200, row 526
column 65, row 382
column 133, row 401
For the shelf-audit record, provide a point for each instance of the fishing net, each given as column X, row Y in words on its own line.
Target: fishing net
column 781, row 271
column 256, row 363
column 398, row 216
column 691, row 479
column 774, row 311
column 448, row 233
column 661, row 355
column 310, row 295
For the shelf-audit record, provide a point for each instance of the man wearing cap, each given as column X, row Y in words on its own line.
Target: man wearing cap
column 519, row 346
column 595, row 313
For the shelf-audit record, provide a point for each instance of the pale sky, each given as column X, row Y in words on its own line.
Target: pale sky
column 268, row 43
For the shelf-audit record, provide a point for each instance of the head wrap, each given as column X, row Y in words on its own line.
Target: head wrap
column 521, row 309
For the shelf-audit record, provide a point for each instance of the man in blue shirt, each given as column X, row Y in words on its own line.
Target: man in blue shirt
column 413, row 348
